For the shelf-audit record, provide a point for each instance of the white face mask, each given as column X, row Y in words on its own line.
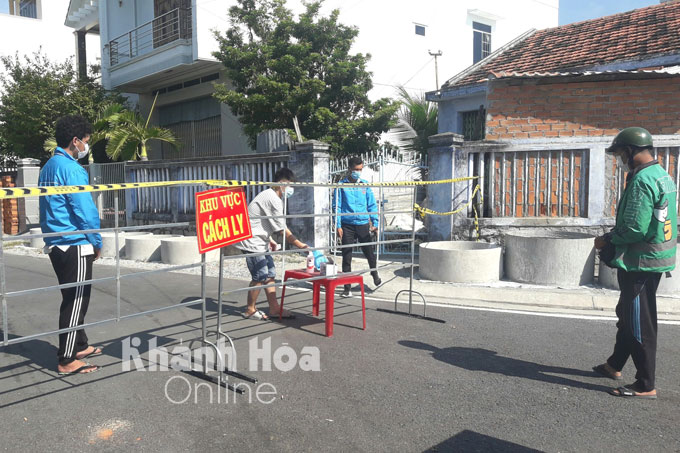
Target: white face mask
column 85, row 151
column 289, row 192
column 623, row 162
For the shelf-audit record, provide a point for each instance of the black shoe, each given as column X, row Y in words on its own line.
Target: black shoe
column 376, row 281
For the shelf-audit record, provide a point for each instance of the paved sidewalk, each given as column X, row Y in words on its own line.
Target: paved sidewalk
column 589, row 300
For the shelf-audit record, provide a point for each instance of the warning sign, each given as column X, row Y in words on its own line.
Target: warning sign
column 221, row 218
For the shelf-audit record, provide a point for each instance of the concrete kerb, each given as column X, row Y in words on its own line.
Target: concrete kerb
column 520, row 296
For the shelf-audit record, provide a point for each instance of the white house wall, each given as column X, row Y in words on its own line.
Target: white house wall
column 400, row 57
column 386, row 31
column 25, row 35
column 209, row 16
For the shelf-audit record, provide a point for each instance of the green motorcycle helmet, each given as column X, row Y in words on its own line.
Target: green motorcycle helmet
column 637, row 138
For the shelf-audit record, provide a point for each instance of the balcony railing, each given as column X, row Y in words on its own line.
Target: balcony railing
column 162, row 30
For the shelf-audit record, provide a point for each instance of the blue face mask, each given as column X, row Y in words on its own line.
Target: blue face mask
column 289, row 192
column 356, row 175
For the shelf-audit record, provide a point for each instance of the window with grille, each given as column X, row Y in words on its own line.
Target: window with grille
column 481, row 41
column 23, row 8
column 474, row 124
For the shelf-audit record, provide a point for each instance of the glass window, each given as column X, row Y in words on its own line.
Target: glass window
column 23, row 8
column 481, row 41
column 28, row 8
column 420, row 30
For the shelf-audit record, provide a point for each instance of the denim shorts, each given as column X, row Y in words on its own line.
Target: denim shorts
column 261, row 267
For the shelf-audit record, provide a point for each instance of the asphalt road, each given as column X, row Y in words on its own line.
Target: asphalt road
column 482, row 381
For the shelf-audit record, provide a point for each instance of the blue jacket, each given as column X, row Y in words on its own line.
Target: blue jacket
column 354, row 199
column 69, row 212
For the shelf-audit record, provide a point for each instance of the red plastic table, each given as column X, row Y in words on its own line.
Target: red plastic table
column 330, row 283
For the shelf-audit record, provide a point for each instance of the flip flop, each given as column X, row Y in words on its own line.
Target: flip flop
column 257, row 314
column 95, row 352
column 627, row 392
column 80, row 370
column 603, row 371
column 285, row 316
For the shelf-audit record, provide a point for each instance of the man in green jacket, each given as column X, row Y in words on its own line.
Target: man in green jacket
column 641, row 246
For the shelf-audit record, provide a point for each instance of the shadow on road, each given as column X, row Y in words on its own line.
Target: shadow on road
column 477, row 359
column 471, row 441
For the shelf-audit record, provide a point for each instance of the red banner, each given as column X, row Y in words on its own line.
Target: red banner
column 221, row 218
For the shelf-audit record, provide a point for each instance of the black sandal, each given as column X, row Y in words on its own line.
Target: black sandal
column 603, row 371
column 628, row 392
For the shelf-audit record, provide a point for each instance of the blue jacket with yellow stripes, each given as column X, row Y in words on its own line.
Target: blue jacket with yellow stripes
column 70, row 212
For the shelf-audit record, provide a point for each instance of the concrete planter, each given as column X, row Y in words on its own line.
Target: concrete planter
column 554, row 258
column 460, row 261
column 667, row 286
column 184, row 250
column 146, row 247
column 109, row 242
column 36, row 243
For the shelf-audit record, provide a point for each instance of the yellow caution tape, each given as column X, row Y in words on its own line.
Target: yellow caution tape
column 423, row 211
column 23, row 192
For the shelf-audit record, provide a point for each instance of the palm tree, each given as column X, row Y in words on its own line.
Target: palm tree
column 130, row 134
column 106, row 120
column 417, row 121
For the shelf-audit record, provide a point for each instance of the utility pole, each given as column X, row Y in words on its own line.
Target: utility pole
column 436, row 71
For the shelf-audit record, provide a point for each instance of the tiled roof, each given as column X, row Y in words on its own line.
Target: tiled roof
column 634, row 35
column 669, row 70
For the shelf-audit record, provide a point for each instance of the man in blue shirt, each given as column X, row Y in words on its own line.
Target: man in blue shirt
column 356, row 227
column 72, row 255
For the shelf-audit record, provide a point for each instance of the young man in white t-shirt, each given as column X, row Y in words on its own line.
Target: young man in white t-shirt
column 262, row 270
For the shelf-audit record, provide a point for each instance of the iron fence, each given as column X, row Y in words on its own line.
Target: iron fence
column 113, row 173
column 387, row 164
column 177, row 203
column 530, row 183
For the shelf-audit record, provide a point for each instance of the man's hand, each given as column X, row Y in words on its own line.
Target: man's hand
column 273, row 246
column 340, row 233
column 600, row 242
column 373, row 229
column 97, row 254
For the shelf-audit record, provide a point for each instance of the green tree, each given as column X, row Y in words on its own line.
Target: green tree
column 102, row 127
column 281, row 67
column 418, row 120
column 129, row 135
column 35, row 92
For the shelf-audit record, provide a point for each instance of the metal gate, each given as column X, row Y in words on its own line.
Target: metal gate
column 113, row 173
column 385, row 165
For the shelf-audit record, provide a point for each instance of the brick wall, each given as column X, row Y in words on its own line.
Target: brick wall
column 532, row 108
column 10, row 209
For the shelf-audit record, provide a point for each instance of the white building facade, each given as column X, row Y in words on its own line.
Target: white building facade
column 27, row 26
column 401, row 35
column 165, row 47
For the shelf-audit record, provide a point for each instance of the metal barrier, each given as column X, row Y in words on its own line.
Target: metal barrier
column 223, row 368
